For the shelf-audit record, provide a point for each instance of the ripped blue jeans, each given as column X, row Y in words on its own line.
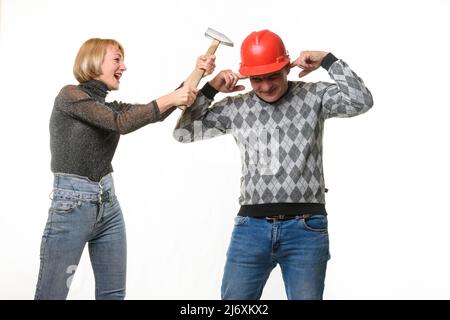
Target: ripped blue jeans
column 83, row 211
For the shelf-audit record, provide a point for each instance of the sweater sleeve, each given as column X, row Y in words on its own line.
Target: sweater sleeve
column 114, row 116
column 200, row 121
column 347, row 97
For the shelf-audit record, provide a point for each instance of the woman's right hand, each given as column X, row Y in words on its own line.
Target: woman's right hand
column 184, row 96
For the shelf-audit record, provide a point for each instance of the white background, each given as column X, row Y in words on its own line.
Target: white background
column 387, row 170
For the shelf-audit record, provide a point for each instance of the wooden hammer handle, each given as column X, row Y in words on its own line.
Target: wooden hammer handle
column 196, row 75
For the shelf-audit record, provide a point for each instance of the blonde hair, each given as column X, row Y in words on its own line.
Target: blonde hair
column 90, row 57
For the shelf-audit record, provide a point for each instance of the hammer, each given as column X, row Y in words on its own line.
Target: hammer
column 197, row 74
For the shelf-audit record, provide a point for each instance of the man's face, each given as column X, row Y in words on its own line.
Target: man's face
column 271, row 86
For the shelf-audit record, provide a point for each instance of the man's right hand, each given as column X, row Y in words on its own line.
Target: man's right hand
column 226, row 81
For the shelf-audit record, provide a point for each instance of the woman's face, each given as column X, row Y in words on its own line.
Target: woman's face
column 112, row 68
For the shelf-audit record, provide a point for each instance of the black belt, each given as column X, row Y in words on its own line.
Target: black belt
column 283, row 217
column 288, row 209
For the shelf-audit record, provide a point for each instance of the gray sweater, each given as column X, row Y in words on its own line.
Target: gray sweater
column 85, row 130
column 280, row 143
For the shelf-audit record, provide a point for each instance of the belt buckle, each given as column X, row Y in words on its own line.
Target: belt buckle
column 103, row 197
column 276, row 217
column 285, row 217
column 305, row 216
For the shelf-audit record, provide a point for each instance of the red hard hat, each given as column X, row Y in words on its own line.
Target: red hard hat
column 262, row 52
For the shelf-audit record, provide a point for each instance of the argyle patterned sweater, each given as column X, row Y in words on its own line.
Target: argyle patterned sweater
column 281, row 142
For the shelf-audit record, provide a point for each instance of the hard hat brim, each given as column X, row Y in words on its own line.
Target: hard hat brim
column 265, row 69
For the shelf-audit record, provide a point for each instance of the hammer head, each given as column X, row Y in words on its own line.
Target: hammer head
column 216, row 35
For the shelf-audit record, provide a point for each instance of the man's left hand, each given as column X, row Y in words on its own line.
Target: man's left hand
column 308, row 61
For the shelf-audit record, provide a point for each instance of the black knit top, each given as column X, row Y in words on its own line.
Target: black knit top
column 85, row 130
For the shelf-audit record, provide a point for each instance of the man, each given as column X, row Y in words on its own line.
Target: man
column 278, row 127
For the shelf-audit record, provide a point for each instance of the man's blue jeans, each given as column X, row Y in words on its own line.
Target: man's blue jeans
column 83, row 211
column 299, row 246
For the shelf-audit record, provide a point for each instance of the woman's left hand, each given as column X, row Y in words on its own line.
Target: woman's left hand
column 207, row 63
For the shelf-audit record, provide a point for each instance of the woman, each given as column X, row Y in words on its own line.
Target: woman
column 84, row 133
